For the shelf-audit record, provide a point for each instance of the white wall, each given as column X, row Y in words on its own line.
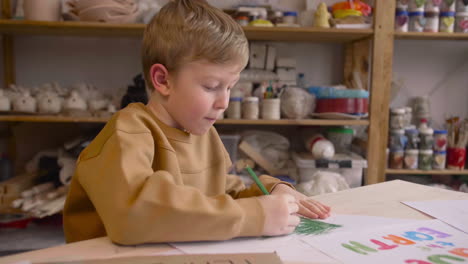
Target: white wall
column 110, row 63
column 438, row 69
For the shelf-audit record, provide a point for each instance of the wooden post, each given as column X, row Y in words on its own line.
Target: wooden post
column 357, row 57
column 382, row 59
column 8, row 49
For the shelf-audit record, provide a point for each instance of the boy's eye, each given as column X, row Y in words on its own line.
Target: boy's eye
column 209, row 88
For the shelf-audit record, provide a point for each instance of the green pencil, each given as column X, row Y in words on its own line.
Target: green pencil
column 256, row 180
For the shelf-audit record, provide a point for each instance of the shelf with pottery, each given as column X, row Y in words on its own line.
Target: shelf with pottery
column 284, row 122
column 431, row 36
column 427, row 172
column 26, row 27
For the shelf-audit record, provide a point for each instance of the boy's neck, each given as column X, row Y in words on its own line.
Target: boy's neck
column 161, row 113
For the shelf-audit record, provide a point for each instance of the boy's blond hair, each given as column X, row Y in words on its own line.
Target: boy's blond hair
column 189, row 30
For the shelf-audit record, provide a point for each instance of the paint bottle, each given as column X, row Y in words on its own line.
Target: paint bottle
column 461, row 22
column 396, row 159
column 447, row 22
column 439, row 161
column 432, row 22
column 440, row 140
column 425, row 159
column 447, row 6
column 401, row 20
column 462, row 6
column 416, row 21
column 417, row 5
column 411, row 159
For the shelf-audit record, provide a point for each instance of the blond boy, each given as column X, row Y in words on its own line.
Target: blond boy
column 157, row 172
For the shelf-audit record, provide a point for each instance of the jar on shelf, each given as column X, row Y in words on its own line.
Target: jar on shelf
column 447, row 6
column 439, row 161
column 402, row 4
column 408, row 116
column 411, row 159
column 250, row 108
column 425, row 159
column 416, row 21
column 461, row 6
column 432, row 22
column 461, row 22
column 396, row 159
column 277, row 18
column 242, row 20
column 341, row 138
column 432, row 5
column 447, row 22
column 271, row 108
column 398, row 139
column 426, row 138
column 397, row 118
column 440, row 140
column 401, row 21
column 234, row 108
column 413, row 138
column 290, row 17
column 417, row 5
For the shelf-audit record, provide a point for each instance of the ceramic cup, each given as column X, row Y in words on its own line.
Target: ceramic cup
column 42, row 10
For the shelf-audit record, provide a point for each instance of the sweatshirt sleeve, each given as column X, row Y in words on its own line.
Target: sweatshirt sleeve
column 139, row 205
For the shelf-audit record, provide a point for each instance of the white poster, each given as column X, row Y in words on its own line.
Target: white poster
column 452, row 212
column 421, row 242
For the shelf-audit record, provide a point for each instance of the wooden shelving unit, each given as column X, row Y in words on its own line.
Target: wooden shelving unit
column 282, row 122
column 367, row 51
column 89, row 29
column 431, row 36
column 428, row 172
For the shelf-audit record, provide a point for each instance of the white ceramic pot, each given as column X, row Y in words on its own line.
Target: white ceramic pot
column 75, row 102
column 5, row 104
column 49, row 104
column 25, row 103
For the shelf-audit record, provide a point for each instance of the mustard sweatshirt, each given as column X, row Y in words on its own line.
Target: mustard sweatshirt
column 141, row 181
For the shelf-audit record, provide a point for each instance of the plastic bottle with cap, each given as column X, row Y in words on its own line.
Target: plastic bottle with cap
column 426, row 135
column 320, row 147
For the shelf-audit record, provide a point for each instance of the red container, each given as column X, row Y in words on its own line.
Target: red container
column 456, row 158
column 342, row 105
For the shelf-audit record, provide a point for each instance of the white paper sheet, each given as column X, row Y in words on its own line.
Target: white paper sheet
column 431, row 241
column 291, row 247
column 452, row 212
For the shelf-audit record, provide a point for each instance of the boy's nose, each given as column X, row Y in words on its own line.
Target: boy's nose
column 222, row 101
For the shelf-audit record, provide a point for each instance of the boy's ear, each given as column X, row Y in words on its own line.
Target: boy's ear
column 159, row 77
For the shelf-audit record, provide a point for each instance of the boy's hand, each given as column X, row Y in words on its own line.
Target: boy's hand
column 280, row 214
column 307, row 206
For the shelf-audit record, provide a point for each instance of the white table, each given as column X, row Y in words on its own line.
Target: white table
column 381, row 199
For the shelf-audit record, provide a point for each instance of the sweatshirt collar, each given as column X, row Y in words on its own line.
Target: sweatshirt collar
column 170, row 132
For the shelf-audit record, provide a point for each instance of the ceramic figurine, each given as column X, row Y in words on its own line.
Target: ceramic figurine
column 5, row 103
column 49, row 103
column 75, row 102
column 97, row 104
column 322, row 16
column 25, row 103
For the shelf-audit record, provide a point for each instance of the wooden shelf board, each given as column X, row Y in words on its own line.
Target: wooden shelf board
column 303, row 122
column 51, row 119
column 431, row 36
column 427, row 172
column 294, row 122
column 136, row 30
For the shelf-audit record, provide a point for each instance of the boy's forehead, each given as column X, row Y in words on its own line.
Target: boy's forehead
column 216, row 70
